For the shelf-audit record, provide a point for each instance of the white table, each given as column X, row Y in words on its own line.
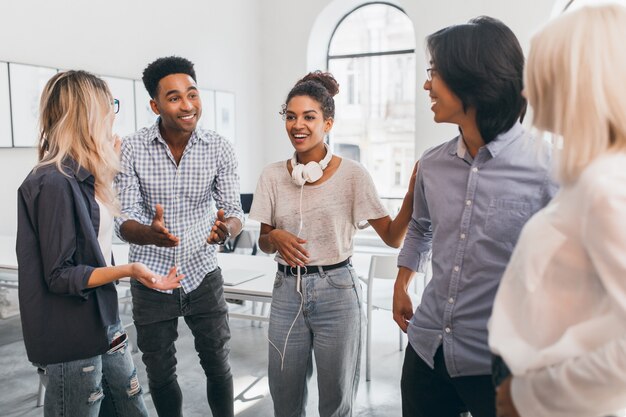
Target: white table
column 8, row 259
column 257, row 290
column 8, row 262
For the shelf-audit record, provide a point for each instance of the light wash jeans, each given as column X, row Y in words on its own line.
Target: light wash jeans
column 330, row 324
column 83, row 387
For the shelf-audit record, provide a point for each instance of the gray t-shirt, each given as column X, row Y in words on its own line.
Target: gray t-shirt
column 330, row 210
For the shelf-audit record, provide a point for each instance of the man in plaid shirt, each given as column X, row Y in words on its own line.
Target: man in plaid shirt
column 171, row 175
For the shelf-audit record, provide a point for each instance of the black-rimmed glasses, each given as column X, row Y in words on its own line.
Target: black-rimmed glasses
column 116, row 105
column 429, row 73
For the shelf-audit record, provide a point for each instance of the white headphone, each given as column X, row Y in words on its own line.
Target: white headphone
column 310, row 172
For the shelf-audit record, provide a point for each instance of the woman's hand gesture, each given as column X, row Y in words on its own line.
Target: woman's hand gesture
column 290, row 247
column 158, row 282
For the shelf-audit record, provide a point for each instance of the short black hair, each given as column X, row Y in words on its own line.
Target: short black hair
column 163, row 67
column 483, row 64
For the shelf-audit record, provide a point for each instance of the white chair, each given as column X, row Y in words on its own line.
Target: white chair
column 382, row 267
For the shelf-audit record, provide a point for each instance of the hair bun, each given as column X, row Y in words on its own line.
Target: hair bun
column 324, row 78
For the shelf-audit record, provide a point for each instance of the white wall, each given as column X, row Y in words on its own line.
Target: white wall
column 255, row 48
column 119, row 38
column 299, row 37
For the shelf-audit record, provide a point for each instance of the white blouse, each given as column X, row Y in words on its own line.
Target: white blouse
column 559, row 317
column 105, row 231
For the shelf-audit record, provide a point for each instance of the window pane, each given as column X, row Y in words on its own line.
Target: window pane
column 375, row 120
column 373, row 28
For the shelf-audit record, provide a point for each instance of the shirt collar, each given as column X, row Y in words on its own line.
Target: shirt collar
column 154, row 133
column 71, row 167
column 461, row 148
column 504, row 139
column 495, row 146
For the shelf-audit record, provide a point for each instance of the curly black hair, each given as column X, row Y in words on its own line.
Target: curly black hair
column 163, row 67
column 321, row 87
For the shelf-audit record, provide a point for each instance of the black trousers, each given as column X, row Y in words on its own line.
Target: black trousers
column 433, row 393
column 205, row 312
column 499, row 370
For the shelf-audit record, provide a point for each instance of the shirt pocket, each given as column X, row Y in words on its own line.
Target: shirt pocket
column 505, row 219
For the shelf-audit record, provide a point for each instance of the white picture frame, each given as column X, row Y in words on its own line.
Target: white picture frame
column 123, row 89
column 6, row 131
column 207, row 120
column 144, row 116
column 26, row 83
column 225, row 114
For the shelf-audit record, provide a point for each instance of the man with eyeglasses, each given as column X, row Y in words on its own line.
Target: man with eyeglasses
column 473, row 194
column 172, row 174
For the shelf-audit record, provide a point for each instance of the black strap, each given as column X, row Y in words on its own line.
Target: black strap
column 311, row 269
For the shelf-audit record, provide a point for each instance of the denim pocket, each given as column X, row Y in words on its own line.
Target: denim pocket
column 340, row 278
column 279, row 279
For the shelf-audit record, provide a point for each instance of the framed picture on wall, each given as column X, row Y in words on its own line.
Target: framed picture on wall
column 6, row 133
column 144, row 115
column 123, row 90
column 225, row 114
column 27, row 83
column 207, row 120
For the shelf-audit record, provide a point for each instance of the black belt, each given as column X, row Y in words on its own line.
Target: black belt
column 311, row 269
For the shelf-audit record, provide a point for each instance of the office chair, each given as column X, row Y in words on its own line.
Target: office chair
column 244, row 242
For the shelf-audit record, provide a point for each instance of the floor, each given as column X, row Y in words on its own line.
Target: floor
column 379, row 397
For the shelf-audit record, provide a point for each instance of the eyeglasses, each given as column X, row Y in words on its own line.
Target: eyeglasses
column 429, row 73
column 116, row 105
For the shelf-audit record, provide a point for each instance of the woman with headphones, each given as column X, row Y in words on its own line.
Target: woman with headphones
column 309, row 208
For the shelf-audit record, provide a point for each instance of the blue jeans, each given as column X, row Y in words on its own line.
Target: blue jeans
column 330, row 324
column 205, row 312
column 83, row 387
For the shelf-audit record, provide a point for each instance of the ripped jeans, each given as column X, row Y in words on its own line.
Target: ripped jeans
column 83, row 387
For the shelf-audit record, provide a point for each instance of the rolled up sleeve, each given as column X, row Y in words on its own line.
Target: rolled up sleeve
column 416, row 250
column 225, row 190
column 55, row 220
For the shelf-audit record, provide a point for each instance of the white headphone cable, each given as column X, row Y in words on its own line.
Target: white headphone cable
column 298, row 290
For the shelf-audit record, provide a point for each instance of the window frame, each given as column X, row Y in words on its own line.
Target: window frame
column 330, row 57
column 364, row 54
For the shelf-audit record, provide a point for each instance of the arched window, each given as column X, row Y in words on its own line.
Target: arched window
column 372, row 55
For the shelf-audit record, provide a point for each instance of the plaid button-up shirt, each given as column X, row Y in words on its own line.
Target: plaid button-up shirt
column 206, row 174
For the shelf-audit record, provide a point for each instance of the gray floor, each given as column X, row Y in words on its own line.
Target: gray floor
column 379, row 397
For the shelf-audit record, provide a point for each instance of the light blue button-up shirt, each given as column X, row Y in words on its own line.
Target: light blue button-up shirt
column 468, row 213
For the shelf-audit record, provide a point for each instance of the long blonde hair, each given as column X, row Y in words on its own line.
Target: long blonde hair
column 574, row 82
column 76, row 117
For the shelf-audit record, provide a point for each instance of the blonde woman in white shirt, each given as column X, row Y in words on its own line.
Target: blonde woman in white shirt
column 559, row 319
